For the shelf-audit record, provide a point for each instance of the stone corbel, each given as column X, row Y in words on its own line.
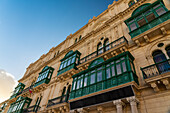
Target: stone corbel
column 154, row 86
column 166, row 83
column 100, row 109
column 146, row 38
column 82, row 110
column 61, row 109
column 121, row 50
column 66, row 108
column 55, row 111
column 106, row 57
column 164, row 32
column 124, row 48
column 138, row 43
column 73, row 111
column 87, row 65
column 114, row 53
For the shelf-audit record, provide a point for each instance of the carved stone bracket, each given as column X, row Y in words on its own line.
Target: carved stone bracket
column 164, row 32
column 138, row 43
column 146, row 38
column 166, row 83
column 154, row 86
column 82, row 110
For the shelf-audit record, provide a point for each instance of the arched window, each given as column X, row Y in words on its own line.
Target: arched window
column 75, row 40
column 99, row 48
column 106, row 45
column 168, row 50
column 131, row 3
column 80, row 37
column 160, row 60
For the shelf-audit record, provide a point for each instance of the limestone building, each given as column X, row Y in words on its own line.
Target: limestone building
column 117, row 63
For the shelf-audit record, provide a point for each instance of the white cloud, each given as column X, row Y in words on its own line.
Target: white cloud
column 7, row 84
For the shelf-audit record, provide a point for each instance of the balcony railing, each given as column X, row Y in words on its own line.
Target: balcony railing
column 57, row 100
column 104, row 49
column 151, row 24
column 156, row 69
column 26, row 89
column 34, row 108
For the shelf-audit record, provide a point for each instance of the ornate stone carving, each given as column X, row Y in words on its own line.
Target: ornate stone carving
column 82, row 110
column 154, row 86
column 133, row 103
column 119, row 105
column 166, row 83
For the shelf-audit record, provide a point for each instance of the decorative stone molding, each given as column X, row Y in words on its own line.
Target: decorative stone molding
column 73, row 111
column 133, row 103
column 106, row 57
column 154, row 86
column 82, row 110
column 119, row 105
column 166, row 83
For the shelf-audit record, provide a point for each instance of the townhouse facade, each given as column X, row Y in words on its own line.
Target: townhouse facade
column 117, row 63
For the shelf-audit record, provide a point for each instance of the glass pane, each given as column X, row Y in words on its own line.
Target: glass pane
column 131, row 21
column 113, row 71
column 133, row 26
column 81, row 83
column 78, row 84
column 85, row 81
column 99, row 76
column 100, row 68
column 118, row 67
column 69, row 61
column 150, row 17
column 156, row 6
column 73, row 60
column 92, row 78
column 108, row 72
column 160, row 11
column 124, row 67
column 141, row 22
column 65, row 64
column 74, row 85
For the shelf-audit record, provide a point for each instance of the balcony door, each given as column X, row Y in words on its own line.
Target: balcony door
column 161, row 61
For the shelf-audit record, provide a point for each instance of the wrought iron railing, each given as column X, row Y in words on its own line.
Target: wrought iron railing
column 34, row 108
column 104, row 49
column 156, row 69
column 57, row 100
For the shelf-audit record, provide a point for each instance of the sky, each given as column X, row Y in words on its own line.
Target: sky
column 30, row 28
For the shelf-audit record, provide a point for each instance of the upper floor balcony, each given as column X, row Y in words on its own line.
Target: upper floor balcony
column 148, row 21
column 158, row 73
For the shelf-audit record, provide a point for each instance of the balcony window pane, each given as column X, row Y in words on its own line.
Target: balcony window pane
column 85, row 81
column 73, row 60
column 133, row 26
column 113, row 70
column 81, row 83
column 118, row 67
column 141, row 22
column 65, row 64
column 69, row 61
column 108, row 72
column 160, row 11
column 150, row 17
column 99, row 76
column 78, row 84
column 92, row 78
column 124, row 67
column 74, row 85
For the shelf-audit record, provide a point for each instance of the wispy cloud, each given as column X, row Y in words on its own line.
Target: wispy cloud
column 7, row 84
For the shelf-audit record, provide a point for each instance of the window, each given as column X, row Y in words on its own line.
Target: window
column 92, row 78
column 71, row 59
column 132, row 26
column 80, row 37
column 168, row 50
column 99, row 48
column 161, row 61
column 159, row 9
column 131, row 3
column 75, row 40
column 106, row 45
column 45, row 75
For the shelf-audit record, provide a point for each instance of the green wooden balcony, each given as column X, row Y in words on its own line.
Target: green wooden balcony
column 151, row 24
column 44, row 76
column 32, row 109
column 102, row 75
column 156, row 69
column 17, row 90
column 20, row 104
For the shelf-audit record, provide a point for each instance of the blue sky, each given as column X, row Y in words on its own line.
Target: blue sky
column 29, row 28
